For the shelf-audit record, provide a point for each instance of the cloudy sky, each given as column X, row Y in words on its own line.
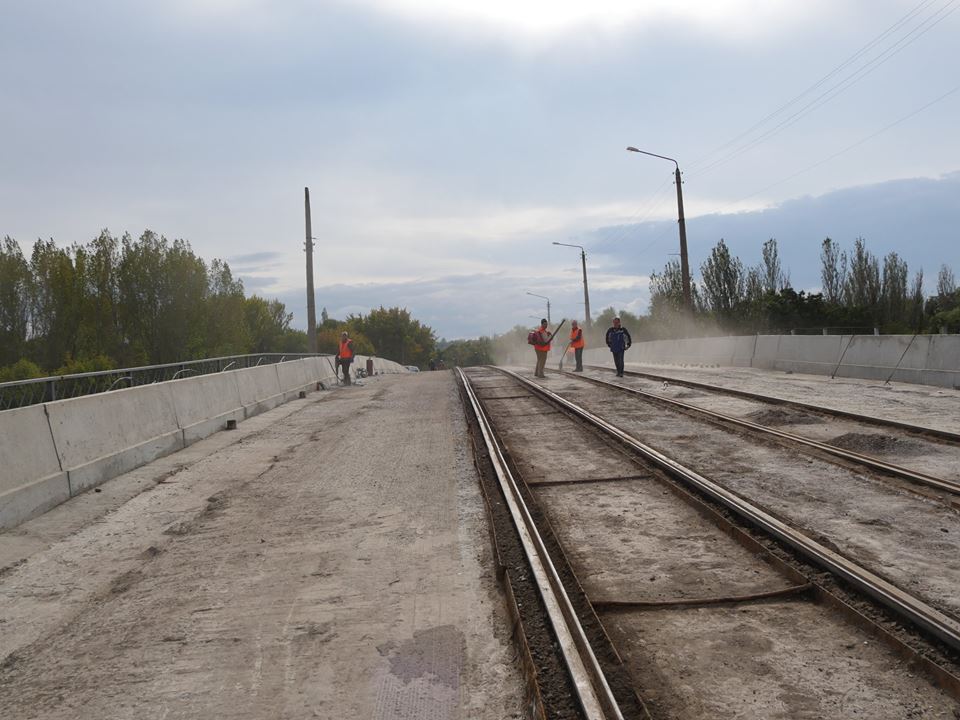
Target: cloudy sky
column 447, row 143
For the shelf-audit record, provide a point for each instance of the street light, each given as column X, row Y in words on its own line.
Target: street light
column 684, row 263
column 548, row 304
column 586, row 295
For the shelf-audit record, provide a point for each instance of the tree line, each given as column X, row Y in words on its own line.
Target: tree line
column 125, row 302
column 859, row 291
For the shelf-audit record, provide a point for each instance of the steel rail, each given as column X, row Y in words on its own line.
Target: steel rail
column 593, row 690
column 821, row 409
column 907, row 606
column 869, row 461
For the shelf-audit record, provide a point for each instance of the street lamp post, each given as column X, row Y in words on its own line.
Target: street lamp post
column 684, row 262
column 586, row 294
column 549, row 322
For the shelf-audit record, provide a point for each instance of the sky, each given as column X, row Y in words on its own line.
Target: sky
column 448, row 144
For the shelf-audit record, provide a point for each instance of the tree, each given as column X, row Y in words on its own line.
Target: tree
column 226, row 328
column 55, row 304
column 723, row 281
column 863, row 286
column 916, row 302
column 268, row 323
column 833, row 274
column 15, row 286
column 773, row 276
column 946, row 283
column 894, row 290
column 396, row 335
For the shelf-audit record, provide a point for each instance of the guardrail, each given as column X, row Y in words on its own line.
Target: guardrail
column 21, row 393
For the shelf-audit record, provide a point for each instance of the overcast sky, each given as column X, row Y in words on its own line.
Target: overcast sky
column 446, row 144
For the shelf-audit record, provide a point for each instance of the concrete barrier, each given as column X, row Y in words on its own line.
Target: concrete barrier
column 101, row 436
column 924, row 359
column 204, row 404
column 259, row 389
column 293, row 378
column 31, row 479
column 51, row 452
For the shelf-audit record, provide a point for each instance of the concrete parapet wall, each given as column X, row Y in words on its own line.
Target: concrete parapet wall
column 259, row 389
column 204, row 404
column 101, row 436
column 924, row 359
column 51, row 452
column 31, row 479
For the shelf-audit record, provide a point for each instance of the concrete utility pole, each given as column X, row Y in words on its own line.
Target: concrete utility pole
column 586, row 294
column 311, row 302
column 684, row 261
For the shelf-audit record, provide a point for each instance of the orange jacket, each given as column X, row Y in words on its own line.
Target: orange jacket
column 544, row 335
column 576, row 339
column 346, row 349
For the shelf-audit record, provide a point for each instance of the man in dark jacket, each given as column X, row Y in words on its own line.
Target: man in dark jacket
column 618, row 340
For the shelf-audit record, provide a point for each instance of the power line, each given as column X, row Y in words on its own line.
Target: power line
column 870, row 66
column 846, row 149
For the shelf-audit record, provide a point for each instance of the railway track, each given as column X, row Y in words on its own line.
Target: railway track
column 919, row 430
column 946, row 485
column 508, row 403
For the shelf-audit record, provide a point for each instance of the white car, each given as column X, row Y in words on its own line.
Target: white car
column 412, row 368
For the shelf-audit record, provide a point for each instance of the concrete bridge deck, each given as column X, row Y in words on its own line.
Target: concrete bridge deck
column 329, row 558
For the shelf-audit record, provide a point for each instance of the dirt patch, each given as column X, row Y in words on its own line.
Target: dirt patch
column 779, row 416
column 876, row 443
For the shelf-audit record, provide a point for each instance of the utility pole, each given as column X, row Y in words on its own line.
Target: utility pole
column 586, row 293
column 311, row 302
column 684, row 261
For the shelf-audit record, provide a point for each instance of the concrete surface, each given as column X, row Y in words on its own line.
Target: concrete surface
column 328, row 560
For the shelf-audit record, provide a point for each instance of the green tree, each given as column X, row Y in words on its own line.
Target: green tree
column 863, row 286
column 56, row 295
column 15, row 284
column 723, row 281
column 267, row 324
column 894, row 291
column 833, row 274
column 773, row 276
column 396, row 335
column 226, row 330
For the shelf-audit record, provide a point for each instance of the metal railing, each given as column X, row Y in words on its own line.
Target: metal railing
column 21, row 393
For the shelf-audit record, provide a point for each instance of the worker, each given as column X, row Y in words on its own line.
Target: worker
column 542, row 348
column 618, row 340
column 345, row 356
column 577, row 344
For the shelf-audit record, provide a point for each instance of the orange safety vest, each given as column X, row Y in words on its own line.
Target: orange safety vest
column 542, row 348
column 574, row 342
column 346, row 352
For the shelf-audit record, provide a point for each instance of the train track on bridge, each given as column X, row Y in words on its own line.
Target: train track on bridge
column 802, row 576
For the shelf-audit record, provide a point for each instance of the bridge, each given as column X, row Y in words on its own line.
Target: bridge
column 260, row 541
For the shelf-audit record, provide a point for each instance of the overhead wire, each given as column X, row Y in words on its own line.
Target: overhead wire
column 846, row 63
column 873, row 64
column 837, row 154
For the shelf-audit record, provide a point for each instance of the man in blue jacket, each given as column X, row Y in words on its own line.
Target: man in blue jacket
column 618, row 340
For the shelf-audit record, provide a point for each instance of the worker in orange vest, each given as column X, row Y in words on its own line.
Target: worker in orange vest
column 577, row 344
column 345, row 356
column 542, row 346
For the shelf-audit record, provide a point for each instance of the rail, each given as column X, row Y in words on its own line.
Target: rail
column 21, row 393
column 809, row 407
column 924, row 616
column 593, row 691
column 865, row 460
